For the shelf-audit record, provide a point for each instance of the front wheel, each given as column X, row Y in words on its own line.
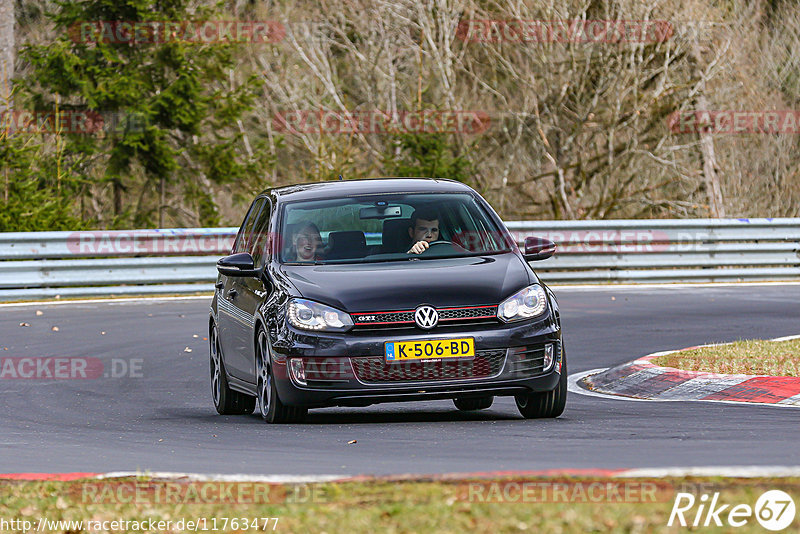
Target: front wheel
column 269, row 403
column 226, row 400
column 547, row 404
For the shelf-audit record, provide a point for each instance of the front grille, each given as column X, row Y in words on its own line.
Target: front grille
column 405, row 318
column 478, row 312
column 524, row 362
column 384, row 318
column 375, row 370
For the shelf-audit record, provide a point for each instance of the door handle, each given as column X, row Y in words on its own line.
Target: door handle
column 232, row 294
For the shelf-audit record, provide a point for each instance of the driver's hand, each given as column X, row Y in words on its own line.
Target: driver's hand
column 419, row 247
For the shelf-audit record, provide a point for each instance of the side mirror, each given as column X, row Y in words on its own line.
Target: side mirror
column 538, row 248
column 240, row 264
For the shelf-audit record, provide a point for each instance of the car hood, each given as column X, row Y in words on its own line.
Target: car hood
column 404, row 285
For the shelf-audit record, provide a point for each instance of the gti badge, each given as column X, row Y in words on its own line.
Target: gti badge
column 426, row 317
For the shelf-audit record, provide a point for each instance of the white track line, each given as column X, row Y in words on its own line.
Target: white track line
column 665, row 285
column 269, row 479
column 573, row 387
column 786, row 338
column 122, row 300
column 744, row 471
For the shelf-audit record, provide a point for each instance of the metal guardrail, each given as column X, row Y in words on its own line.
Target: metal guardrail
column 94, row 263
column 674, row 250
column 115, row 243
column 105, row 263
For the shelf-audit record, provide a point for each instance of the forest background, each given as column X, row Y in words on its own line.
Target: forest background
column 591, row 109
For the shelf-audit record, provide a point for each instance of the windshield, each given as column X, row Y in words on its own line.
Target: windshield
column 396, row 227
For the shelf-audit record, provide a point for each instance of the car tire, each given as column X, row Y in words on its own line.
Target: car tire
column 547, row 404
column 470, row 404
column 270, row 406
column 226, row 400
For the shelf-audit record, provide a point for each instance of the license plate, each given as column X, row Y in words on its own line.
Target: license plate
column 399, row 351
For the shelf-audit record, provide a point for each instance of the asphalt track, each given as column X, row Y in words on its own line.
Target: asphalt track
column 163, row 420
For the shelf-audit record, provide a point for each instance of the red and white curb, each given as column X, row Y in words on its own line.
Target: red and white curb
column 647, row 472
column 643, row 380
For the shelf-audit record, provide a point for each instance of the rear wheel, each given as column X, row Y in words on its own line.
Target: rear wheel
column 269, row 403
column 226, row 400
column 547, row 404
column 471, row 404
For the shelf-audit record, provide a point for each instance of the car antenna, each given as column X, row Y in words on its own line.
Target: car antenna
column 340, row 177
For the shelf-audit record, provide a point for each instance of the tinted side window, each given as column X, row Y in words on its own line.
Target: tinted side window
column 242, row 239
column 259, row 241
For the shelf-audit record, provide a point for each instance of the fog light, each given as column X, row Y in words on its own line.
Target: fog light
column 298, row 371
column 548, row 356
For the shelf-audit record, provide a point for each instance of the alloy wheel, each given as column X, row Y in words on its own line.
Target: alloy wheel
column 213, row 348
column 264, row 375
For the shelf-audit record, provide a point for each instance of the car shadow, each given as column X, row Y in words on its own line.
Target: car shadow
column 340, row 416
column 326, row 417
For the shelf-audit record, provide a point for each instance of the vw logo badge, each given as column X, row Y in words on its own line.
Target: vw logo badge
column 426, row 317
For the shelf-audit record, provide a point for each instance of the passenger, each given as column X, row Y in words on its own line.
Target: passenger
column 424, row 229
column 306, row 243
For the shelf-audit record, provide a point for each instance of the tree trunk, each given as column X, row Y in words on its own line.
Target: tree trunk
column 6, row 71
column 710, row 167
column 6, row 52
column 117, row 188
column 162, row 202
column 713, row 189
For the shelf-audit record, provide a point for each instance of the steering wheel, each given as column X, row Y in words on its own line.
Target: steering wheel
column 455, row 246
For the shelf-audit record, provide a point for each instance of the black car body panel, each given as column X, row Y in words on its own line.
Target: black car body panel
column 363, row 288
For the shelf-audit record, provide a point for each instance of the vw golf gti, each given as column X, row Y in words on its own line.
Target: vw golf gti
column 351, row 293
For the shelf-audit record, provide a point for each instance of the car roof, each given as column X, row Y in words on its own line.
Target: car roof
column 339, row 188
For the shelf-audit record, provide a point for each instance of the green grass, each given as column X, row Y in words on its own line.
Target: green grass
column 398, row 506
column 750, row 357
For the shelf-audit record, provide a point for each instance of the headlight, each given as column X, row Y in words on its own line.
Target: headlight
column 525, row 304
column 310, row 315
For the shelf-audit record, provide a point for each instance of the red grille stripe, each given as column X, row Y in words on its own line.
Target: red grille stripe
column 466, row 308
column 384, row 322
column 465, row 318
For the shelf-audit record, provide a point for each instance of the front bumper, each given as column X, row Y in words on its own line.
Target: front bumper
column 348, row 369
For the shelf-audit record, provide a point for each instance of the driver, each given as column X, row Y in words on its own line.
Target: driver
column 424, row 229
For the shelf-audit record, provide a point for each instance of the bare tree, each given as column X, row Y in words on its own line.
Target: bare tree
column 6, row 52
column 579, row 122
column 6, row 73
column 579, row 128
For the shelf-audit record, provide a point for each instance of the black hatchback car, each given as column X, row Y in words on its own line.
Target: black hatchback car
column 352, row 293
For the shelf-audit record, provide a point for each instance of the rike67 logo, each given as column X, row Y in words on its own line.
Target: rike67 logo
column 774, row 510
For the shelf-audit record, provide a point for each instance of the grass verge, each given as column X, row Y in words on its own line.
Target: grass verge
column 750, row 357
column 542, row 504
